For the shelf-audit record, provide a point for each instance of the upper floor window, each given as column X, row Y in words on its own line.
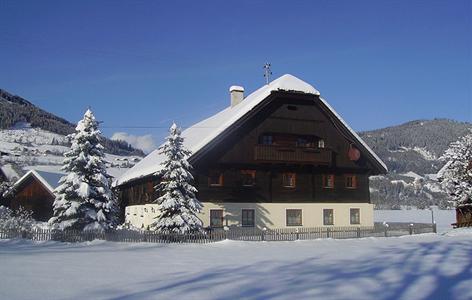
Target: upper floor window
column 289, row 180
column 350, row 181
column 267, row 139
column 288, row 140
column 248, row 177
column 328, row 181
column 215, row 178
column 321, row 143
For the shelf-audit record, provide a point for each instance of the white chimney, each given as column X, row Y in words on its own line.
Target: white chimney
column 237, row 95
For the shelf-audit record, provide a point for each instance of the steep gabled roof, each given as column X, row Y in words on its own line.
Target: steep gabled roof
column 200, row 134
column 48, row 179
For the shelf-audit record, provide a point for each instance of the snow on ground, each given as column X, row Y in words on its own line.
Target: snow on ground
column 425, row 266
column 412, row 175
column 443, row 218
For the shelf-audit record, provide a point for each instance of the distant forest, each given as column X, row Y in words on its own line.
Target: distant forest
column 14, row 109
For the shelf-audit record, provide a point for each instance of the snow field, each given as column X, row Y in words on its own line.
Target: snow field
column 425, row 266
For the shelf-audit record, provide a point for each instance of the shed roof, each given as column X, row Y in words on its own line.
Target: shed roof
column 49, row 180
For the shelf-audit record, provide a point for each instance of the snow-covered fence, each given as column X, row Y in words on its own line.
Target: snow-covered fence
column 214, row 235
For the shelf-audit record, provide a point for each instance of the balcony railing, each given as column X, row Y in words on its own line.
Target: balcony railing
column 277, row 153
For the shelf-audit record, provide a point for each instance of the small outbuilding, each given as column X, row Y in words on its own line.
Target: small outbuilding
column 35, row 191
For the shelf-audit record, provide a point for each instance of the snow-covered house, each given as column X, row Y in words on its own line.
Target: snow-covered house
column 35, row 191
column 279, row 157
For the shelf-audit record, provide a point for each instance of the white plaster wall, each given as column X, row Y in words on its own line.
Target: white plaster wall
column 270, row 215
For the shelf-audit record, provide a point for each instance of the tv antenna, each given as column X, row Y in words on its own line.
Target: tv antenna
column 267, row 72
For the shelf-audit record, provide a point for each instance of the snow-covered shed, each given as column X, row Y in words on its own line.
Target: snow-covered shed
column 35, row 191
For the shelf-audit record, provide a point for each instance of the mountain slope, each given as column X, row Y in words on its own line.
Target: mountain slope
column 14, row 110
column 416, row 145
column 411, row 152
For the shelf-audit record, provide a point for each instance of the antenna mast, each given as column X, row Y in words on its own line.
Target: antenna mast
column 267, row 72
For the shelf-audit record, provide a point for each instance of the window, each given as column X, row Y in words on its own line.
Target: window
column 216, row 218
column 328, row 181
column 306, row 141
column 266, row 139
column 350, row 181
column 248, row 177
column 215, row 178
column 328, row 216
column 355, row 215
column 294, row 217
column 289, row 180
column 248, row 217
column 321, row 143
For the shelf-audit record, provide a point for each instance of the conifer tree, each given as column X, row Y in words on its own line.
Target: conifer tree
column 178, row 204
column 456, row 175
column 84, row 199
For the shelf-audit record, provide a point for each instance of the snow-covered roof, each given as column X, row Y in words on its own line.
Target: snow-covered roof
column 202, row 133
column 9, row 172
column 50, row 180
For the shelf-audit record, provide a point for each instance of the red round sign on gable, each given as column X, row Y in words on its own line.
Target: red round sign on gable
column 354, row 154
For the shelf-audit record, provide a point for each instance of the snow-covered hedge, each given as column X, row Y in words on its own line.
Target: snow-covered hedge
column 20, row 219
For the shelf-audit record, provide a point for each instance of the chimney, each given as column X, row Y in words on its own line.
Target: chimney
column 237, row 95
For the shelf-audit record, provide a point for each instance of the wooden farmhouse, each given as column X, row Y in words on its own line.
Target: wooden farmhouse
column 279, row 157
column 35, row 191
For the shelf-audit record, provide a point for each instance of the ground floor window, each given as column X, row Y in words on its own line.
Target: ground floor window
column 328, row 216
column 294, row 217
column 248, row 217
column 216, row 218
column 355, row 216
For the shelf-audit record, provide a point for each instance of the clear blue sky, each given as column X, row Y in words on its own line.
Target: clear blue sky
column 146, row 63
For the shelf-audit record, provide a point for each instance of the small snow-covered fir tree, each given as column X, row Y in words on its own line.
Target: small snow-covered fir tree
column 456, row 175
column 178, row 204
column 84, row 198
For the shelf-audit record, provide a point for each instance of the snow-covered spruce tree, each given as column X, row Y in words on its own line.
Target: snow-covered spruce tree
column 456, row 175
column 178, row 205
column 84, row 198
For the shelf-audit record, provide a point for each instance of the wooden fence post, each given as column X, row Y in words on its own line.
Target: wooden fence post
column 435, row 228
column 386, row 229
column 358, row 232
column 410, row 229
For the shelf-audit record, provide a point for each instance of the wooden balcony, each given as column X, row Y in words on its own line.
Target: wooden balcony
column 274, row 153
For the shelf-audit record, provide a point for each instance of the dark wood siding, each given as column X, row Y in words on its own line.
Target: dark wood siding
column 237, row 151
column 31, row 194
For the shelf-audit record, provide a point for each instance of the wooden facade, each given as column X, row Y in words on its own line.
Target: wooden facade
column 33, row 195
column 463, row 216
column 288, row 133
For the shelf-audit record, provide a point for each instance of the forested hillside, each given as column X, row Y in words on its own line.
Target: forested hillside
column 411, row 152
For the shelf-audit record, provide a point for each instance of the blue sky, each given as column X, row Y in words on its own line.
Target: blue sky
column 147, row 63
